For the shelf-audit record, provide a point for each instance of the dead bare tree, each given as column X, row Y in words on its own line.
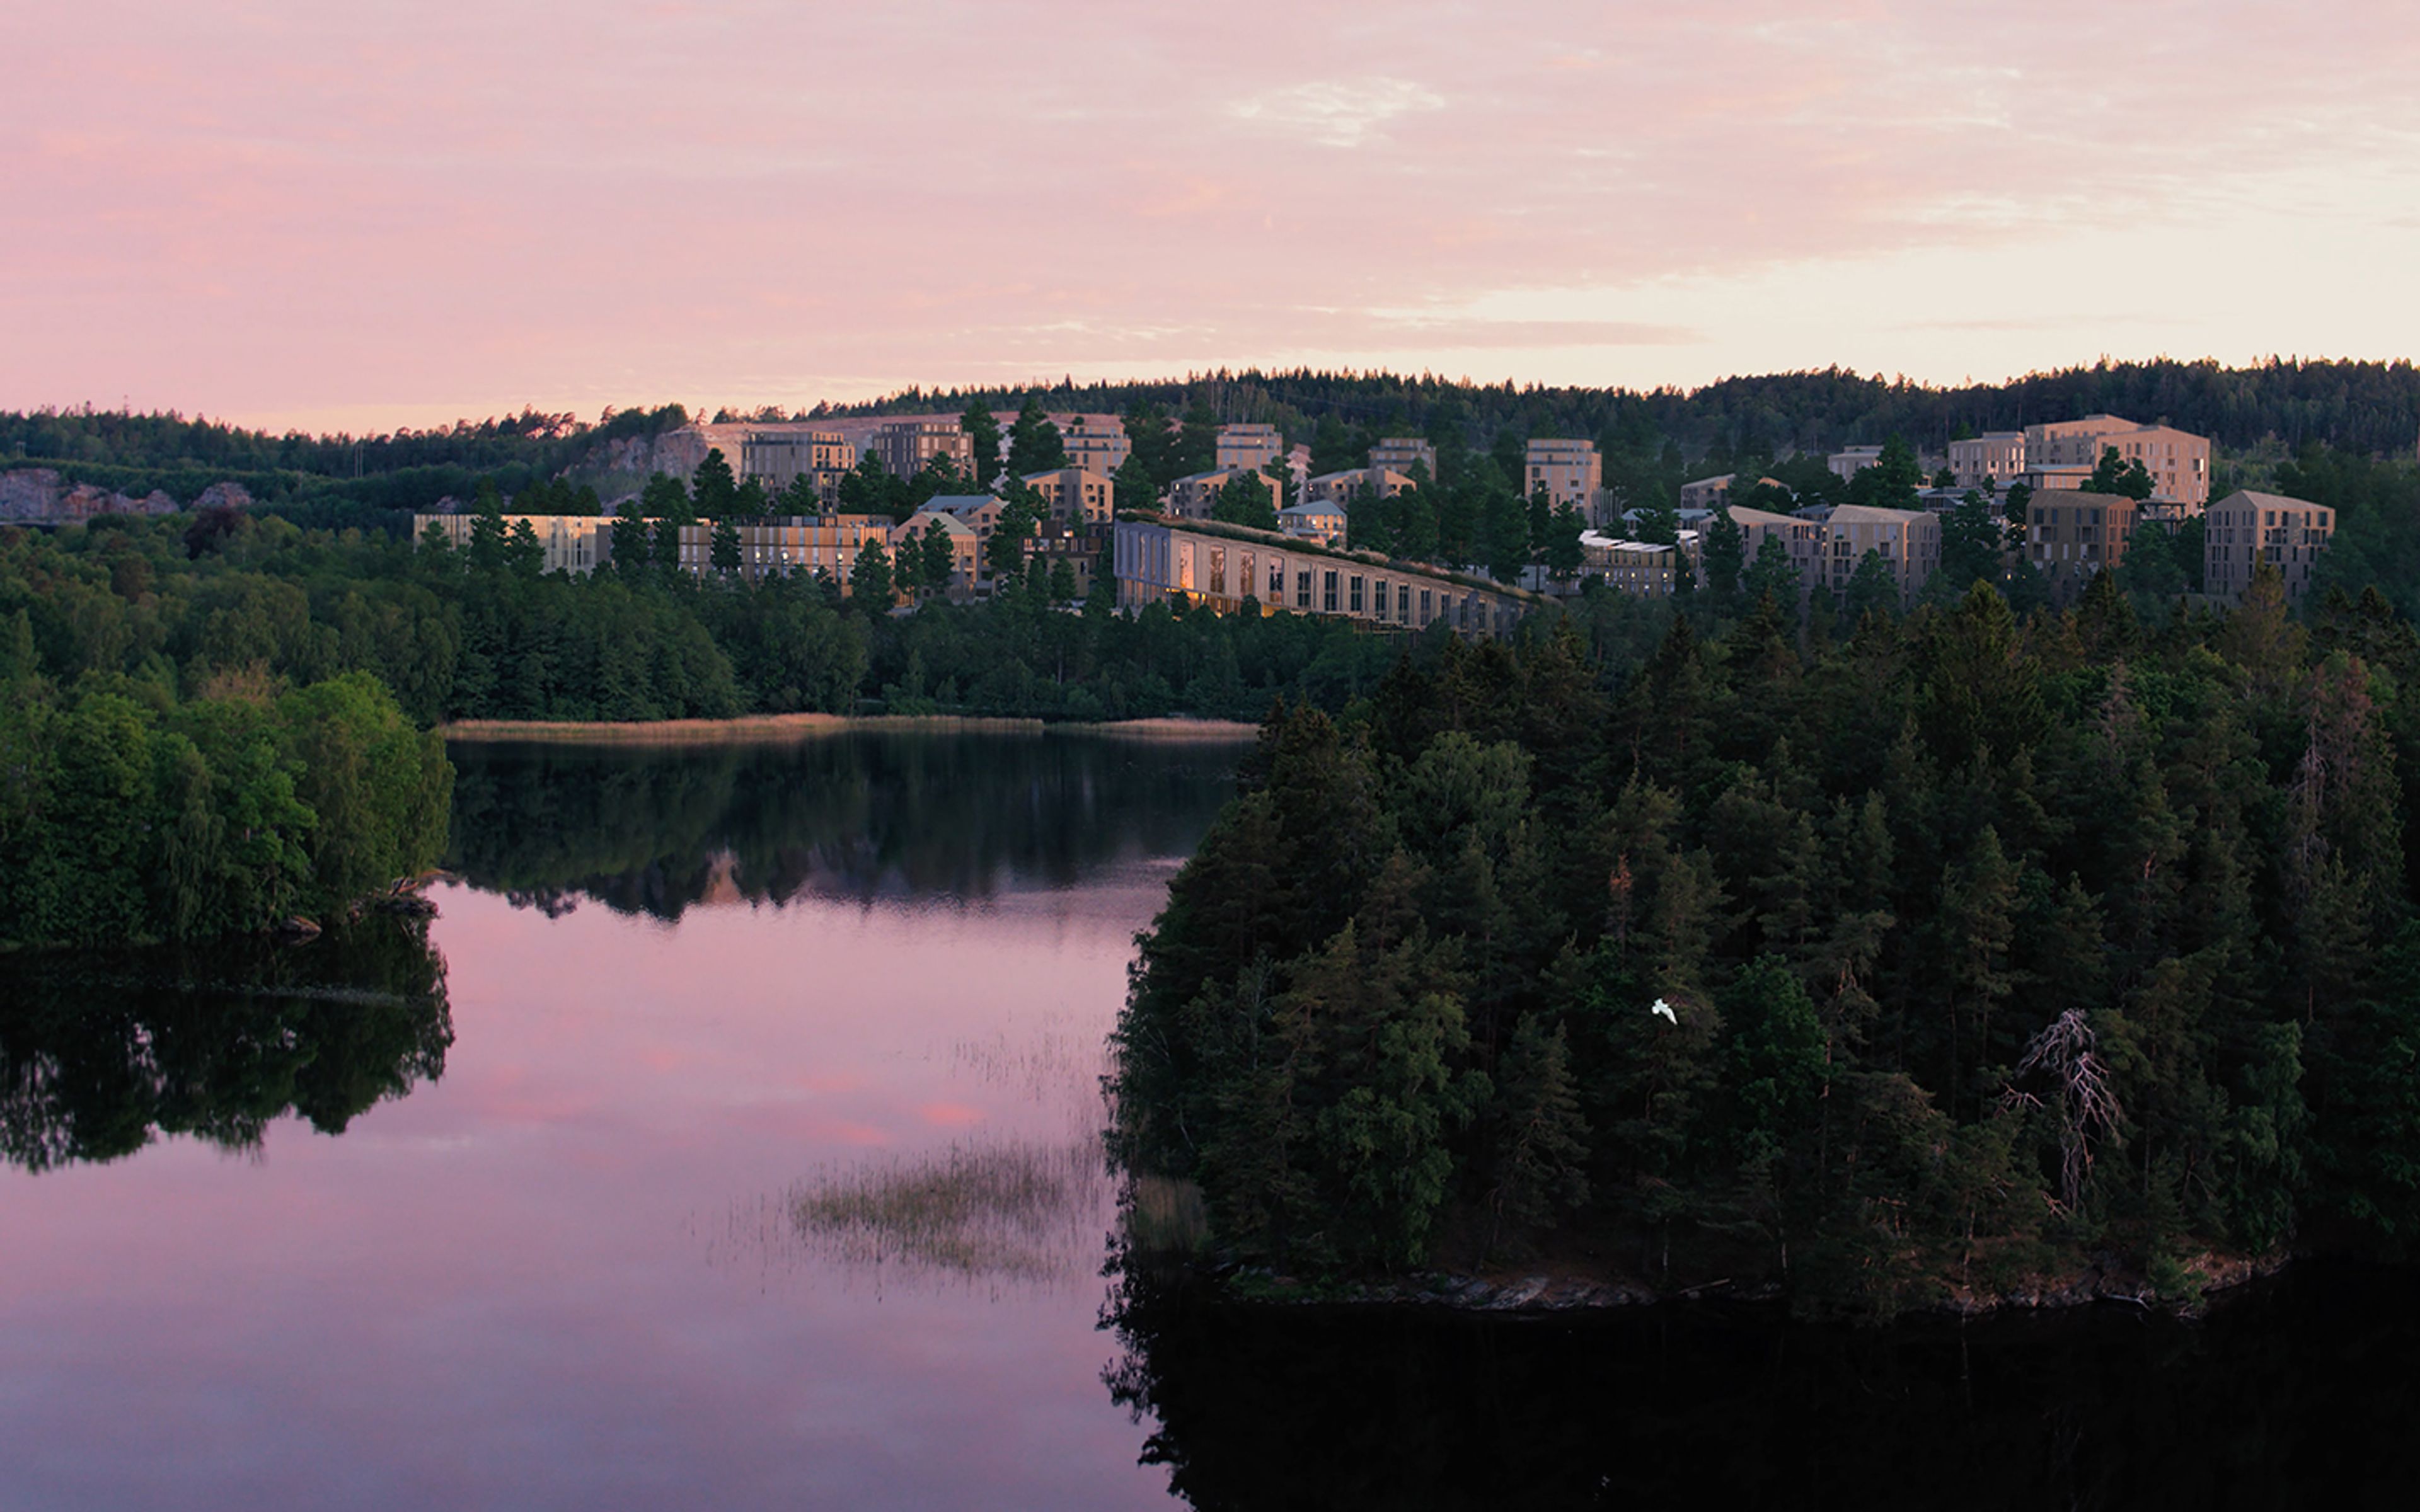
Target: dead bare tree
column 2065, row 1052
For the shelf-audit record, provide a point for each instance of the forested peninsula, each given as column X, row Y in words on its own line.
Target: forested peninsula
column 1942, row 962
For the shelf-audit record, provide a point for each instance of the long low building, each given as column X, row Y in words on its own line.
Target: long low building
column 1221, row 568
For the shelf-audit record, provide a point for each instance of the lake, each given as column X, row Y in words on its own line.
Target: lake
column 729, row 1141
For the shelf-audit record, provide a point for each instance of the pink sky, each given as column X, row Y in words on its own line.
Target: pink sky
column 365, row 215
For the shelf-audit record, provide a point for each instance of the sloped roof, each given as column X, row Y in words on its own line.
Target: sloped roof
column 2268, row 501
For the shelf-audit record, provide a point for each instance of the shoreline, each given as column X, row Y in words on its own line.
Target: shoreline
column 752, row 727
column 1540, row 1294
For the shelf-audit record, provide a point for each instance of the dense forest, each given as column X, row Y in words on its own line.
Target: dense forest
column 183, row 606
column 1958, row 952
column 129, row 815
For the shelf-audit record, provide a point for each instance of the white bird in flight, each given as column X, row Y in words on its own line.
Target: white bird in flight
column 1659, row 1006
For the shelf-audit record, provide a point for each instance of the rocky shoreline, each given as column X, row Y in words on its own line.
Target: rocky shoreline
column 2105, row 1280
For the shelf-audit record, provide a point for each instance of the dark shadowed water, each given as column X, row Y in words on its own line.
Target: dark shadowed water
column 729, row 1140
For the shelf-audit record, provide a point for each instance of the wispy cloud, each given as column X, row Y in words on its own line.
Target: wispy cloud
column 1338, row 112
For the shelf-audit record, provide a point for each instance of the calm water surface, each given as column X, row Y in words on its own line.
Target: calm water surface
column 728, row 1142
column 690, row 994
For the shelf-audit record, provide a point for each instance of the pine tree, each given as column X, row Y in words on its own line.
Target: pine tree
column 983, row 431
column 724, row 548
column 713, row 490
column 869, row 580
column 1540, row 1136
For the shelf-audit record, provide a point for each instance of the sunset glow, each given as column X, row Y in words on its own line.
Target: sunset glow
column 371, row 215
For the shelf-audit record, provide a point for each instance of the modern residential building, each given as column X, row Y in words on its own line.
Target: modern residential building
column 1846, row 462
column 576, row 544
column 1991, row 460
column 1641, row 567
column 1571, row 472
column 1321, row 521
column 1222, row 566
column 1707, row 493
column 1339, row 488
column 1396, row 454
column 906, row 445
column 770, row 547
column 1908, row 541
column 1802, row 538
column 1191, row 497
column 2178, row 461
column 1081, row 495
column 1097, row 442
column 2071, row 534
column 1248, row 447
column 2246, row 527
column 966, row 552
column 978, row 511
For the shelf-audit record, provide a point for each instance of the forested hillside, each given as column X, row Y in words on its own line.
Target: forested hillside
column 1957, row 953
column 2372, row 407
column 187, row 606
column 1650, row 438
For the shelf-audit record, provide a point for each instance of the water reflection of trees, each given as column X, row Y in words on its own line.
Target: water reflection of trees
column 859, row 816
column 2303, row 1396
column 97, row 1053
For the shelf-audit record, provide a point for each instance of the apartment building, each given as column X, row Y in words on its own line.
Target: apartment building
column 2071, row 534
column 1339, row 487
column 1571, row 472
column 1191, row 497
column 1908, row 541
column 906, row 445
column 576, row 544
column 2246, row 527
column 1221, row 568
column 1641, row 567
column 1991, row 460
column 1708, row 494
column 1081, row 495
column 2178, row 461
column 966, row 552
column 1314, row 522
column 1095, row 442
column 1396, row 454
column 1249, row 448
column 1802, row 538
column 772, row 547
column 1846, row 462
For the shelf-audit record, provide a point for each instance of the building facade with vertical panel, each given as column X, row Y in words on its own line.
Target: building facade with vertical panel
column 1571, row 472
column 1908, row 541
column 1396, row 454
column 2245, row 529
column 1248, row 447
column 2178, row 461
column 1098, row 443
column 1078, row 494
column 906, row 445
column 2071, row 535
column 1991, row 460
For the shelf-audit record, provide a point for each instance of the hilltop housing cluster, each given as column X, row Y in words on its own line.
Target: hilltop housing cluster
column 1170, row 547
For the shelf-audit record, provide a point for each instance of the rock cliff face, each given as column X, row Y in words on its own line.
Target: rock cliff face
column 620, row 467
column 36, row 496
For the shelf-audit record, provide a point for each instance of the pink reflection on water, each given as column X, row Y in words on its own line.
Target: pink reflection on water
column 534, row 1284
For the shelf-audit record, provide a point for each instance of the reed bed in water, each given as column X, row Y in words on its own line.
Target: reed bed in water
column 746, row 728
column 1012, row 1211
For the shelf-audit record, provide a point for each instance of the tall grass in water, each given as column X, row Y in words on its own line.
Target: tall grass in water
column 1015, row 1211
